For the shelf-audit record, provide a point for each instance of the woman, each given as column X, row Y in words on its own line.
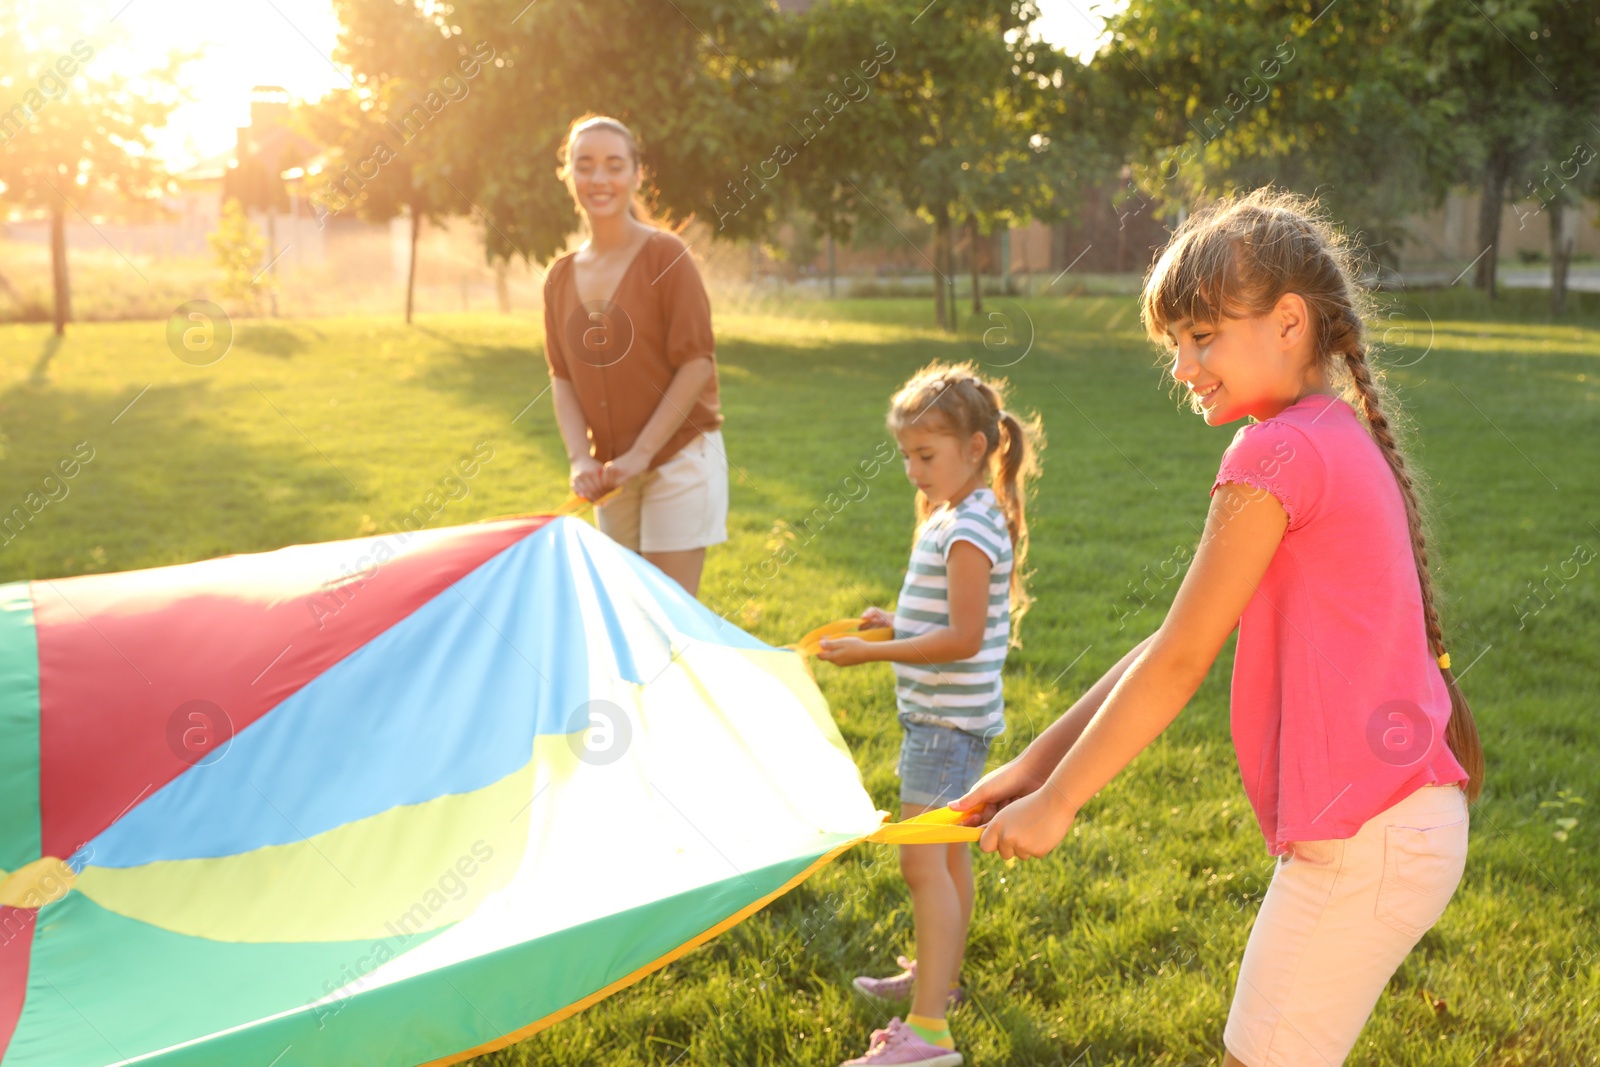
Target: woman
column 627, row 334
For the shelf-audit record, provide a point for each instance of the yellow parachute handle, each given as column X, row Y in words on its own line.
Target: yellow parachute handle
column 938, row 826
column 811, row 643
column 576, row 503
column 33, row 885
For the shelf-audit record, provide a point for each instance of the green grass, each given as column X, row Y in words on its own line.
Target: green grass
column 1121, row 948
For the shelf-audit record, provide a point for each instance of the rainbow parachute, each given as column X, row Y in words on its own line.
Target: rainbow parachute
column 398, row 800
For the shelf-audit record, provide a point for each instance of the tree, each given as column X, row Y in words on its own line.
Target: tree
column 704, row 106
column 697, row 101
column 1565, row 169
column 267, row 149
column 1560, row 190
column 74, row 133
column 370, row 172
column 1525, row 81
column 389, row 134
column 1038, row 160
column 238, row 248
column 963, row 121
column 1330, row 100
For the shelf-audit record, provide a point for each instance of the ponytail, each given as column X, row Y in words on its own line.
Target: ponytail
column 965, row 403
column 1013, row 464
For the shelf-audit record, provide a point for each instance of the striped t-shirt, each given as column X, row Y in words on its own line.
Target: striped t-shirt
column 966, row 693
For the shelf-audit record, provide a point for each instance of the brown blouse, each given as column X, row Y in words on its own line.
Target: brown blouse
column 619, row 358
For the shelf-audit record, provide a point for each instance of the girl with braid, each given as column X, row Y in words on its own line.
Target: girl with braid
column 971, row 461
column 1357, row 750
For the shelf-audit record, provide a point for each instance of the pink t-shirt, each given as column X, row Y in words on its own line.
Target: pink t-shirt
column 1339, row 709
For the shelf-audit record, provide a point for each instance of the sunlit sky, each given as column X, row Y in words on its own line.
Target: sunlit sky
column 243, row 43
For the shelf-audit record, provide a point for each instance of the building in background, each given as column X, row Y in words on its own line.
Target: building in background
column 269, row 159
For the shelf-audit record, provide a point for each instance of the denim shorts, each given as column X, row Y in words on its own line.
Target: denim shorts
column 938, row 763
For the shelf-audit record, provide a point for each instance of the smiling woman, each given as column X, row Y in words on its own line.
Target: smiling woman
column 633, row 363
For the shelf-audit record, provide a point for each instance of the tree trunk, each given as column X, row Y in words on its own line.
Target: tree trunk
column 411, row 264
column 1495, row 174
column 58, row 263
column 972, row 253
column 1005, row 259
column 1563, row 243
column 502, row 285
column 832, row 268
column 941, row 265
column 272, row 260
column 1059, row 259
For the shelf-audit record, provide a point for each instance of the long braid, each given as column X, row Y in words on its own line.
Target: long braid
column 1462, row 732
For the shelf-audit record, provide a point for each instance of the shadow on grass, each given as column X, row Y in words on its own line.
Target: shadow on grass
column 40, row 374
column 159, row 486
column 271, row 339
column 1511, row 309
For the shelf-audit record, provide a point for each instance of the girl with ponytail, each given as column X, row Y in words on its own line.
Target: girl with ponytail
column 971, row 461
column 1357, row 750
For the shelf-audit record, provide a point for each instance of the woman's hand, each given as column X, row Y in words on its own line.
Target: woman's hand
column 873, row 618
column 1029, row 827
column 845, row 651
column 1004, row 785
column 587, row 478
column 625, row 468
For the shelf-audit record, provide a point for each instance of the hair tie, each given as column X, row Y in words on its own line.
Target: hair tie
column 1444, row 661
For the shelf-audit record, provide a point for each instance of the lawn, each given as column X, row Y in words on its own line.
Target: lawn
column 1121, row 947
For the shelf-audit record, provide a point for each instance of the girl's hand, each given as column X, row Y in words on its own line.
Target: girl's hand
column 1029, row 827
column 624, row 468
column 845, row 651
column 873, row 618
column 587, row 478
column 1004, row 785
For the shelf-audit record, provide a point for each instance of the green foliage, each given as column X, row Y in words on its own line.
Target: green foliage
column 858, row 111
column 1328, row 99
column 1379, row 108
column 401, row 138
column 697, row 101
column 238, row 247
column 1522, row 71
column 1527, row 88
column 967, row 117
column 75, row 135
column 745, row 114
column 956, row 119
column 73, row 128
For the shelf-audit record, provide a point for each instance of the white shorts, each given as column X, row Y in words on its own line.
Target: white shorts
column 680, row 505
column 1337, row 920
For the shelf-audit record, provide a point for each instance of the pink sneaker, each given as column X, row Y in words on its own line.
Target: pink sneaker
column 898, row 1043
column 899, row 986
